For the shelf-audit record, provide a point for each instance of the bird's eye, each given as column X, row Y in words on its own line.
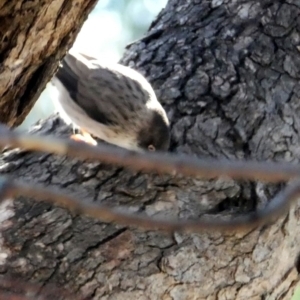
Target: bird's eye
column 151, row 148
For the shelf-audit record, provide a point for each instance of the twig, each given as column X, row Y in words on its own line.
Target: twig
column 276, row 208
column 164, row 163
column 153, row 162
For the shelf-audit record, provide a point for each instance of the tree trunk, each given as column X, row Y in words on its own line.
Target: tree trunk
column 228, row 76
column 34, row 36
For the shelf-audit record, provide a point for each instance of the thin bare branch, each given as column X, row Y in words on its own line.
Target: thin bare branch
column 276, row 208
column 153, row 162
column 164, row 163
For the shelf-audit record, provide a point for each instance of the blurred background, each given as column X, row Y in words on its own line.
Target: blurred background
column 109, row 28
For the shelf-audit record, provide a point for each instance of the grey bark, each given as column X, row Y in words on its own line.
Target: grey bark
column 228, row 75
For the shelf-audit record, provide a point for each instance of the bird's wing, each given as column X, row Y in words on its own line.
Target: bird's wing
column 108, row 94
column 75, row 73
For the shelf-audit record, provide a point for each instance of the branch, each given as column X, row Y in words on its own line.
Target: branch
column 153, row 162
column 277, row 207
column 159, row 162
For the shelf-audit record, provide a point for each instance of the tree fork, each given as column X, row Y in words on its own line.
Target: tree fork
column 227, row 73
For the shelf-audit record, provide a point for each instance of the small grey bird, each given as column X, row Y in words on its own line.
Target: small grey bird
column 111, row 102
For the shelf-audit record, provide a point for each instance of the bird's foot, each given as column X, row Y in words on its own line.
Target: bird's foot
column 84, row 137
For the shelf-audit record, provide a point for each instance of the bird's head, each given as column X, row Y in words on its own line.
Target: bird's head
column 155, row 136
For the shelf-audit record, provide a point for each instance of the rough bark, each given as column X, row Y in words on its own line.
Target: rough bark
column 34, row 36
column 228, row 75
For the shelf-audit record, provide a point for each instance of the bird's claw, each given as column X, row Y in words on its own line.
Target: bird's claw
column 86, row 138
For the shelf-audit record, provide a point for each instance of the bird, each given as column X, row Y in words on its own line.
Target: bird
column 111, row 102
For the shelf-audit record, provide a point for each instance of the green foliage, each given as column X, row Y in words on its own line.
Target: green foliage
column 297, row 294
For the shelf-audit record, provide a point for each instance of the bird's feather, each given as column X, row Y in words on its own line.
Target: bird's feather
column 95, row 87
column 112, row 102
